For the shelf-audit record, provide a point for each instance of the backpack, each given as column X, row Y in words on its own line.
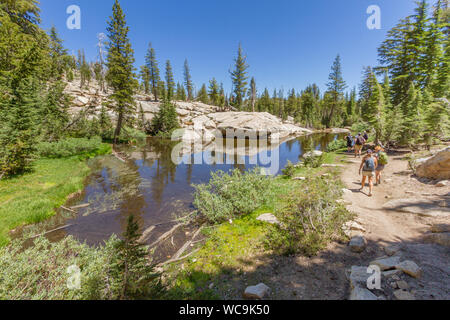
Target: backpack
column 383, row 158
column 349, row 140
column 369, row 165
column 360, row 141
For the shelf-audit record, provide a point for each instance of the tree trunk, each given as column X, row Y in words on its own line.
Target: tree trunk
column 118, row 127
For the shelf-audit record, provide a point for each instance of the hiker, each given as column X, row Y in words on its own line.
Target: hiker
column 382, row 159
column 366, row 136
column 367, row 168
column 350, row 142
column 359, row 143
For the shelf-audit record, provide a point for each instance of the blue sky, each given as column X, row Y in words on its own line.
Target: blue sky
column 289, row 44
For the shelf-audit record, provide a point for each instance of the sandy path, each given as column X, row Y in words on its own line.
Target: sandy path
column 387, row 227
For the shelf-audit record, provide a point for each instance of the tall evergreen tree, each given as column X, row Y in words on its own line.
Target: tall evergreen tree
column 374, row 112
column 213, row 92
column 336, row 87
column 170, row 82
column 253, row 94
column 57, row 55
column 239, row 78
column 120, row 68
column 152, row 65
column 188, row 81
column 202, row 95
column 411, row 127
column 145, row 76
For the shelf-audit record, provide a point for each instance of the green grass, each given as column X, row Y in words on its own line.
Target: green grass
column 32, row 197
column 227, row 245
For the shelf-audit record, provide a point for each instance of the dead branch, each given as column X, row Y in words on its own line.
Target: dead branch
column 179, row 259
column 45, row 233
column 67, row 209
column 115, row 154
column 151, row 228
column 80, row 206
column 167, row 234
column 187, row 244
column 146, row 233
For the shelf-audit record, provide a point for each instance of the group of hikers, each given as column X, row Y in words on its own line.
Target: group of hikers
column 372, row 164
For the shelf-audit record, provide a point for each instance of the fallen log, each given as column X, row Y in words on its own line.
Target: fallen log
column 151, row 228
column 45, row 233
column 67, row 209
column 146, row 233
column 179, row 259
column 187, row 244
column 167, row 234
column 85, row 205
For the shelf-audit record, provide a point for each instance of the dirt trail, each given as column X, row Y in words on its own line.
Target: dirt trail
column 392, row 227
column 325, row 276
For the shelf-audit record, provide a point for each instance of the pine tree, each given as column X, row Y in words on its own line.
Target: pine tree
column 17, row 133
column 374, row 112
column 120, row 68
column 145, row 76
column 165, row 121
column 239, row 78
column 411, row 124
column 152, row 65
column 264, row 102
column 202, row 95
column 222, row 96
column 105, row 125
column 434, row 46
column 170, row 82
column 188, row 81
column 57, row 55
column 53, row 114
column 181, row 93
column 213, row 92
column 253, row 94
column 85, row 70
column 134, row 277
column 336, row 87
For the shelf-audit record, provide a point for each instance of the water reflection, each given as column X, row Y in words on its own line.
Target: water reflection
column 153, row 188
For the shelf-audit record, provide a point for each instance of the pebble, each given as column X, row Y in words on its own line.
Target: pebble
column 403, row 285
column 403, row 295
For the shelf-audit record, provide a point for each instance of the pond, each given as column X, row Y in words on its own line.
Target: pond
column 156, row 190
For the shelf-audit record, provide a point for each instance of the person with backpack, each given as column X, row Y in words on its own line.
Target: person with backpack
column 366, row 136
column 350, row 142
column 382, row 162
column 359, row 143
column 368, row 165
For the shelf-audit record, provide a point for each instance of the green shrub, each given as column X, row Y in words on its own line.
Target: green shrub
column 165, row 121
column 72, row 146
column 337, row 145
column 229, row 195
column 310, row 218
column 132, row 135
column 314, row 161
column 289, row 169
column 40, row 271
column 119, row 269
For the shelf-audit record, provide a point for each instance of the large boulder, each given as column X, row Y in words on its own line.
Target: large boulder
column 435, row 167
